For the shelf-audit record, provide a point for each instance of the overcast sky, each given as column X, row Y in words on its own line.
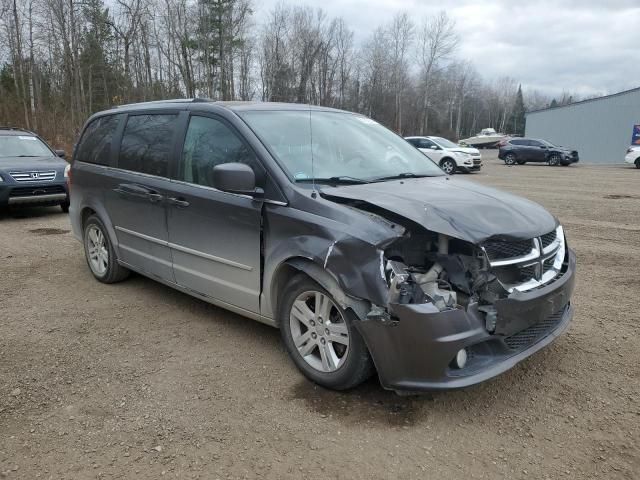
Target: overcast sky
column 585, row 47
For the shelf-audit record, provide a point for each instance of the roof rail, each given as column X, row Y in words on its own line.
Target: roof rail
column 171, row 100
column 16, row 129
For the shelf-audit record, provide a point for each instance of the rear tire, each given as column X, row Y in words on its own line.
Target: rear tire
column 99, row 253
column 65, row 207
column 328, row 351
column 638, row 162
column 510, row 159
column 448, row 165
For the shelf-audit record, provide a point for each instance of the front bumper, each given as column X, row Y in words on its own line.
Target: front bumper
column 475, row 166
column 415, row 352
column 39, row 193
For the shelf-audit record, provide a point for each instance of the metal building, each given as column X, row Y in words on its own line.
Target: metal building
column 600, row 128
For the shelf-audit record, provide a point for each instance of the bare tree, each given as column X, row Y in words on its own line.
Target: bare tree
column 437, row 41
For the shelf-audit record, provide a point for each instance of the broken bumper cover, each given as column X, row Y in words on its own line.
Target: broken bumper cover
column 415, row 353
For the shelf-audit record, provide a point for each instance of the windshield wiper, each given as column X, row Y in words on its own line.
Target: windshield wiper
column 399, row 176
column 343, row 179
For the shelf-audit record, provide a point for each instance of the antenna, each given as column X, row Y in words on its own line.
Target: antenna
column 313, row 174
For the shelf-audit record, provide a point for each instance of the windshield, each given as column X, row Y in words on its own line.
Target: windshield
column 443, row 142
column 345, row 146
column 548, row 144
column 22, row 146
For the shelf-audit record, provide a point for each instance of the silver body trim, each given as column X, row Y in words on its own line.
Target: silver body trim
column 51, row 197
column 190, row 251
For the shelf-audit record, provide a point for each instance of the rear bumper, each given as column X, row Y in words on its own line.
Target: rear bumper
column 415, row 352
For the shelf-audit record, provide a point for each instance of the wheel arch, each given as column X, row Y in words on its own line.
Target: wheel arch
column 99, row 211
column 293, row 266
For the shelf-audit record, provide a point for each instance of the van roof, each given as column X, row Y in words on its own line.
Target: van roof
column 231, row 105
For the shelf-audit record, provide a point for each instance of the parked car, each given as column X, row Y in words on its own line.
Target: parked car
column 633, row 156
column 31, row 172
column 329, row 226
column 522, row 150
column 450, row 156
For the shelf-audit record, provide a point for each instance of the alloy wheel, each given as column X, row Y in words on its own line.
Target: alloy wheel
column 554, row 160
column 510, row 159
column 319, row 331
column 97, row 250
column 448, row 167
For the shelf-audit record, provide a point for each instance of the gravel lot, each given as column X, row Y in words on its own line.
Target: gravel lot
column 138, row 380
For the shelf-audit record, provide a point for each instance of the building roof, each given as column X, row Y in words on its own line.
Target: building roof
column 596, row 99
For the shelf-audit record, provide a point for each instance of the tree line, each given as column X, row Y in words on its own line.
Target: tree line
column 62, row 60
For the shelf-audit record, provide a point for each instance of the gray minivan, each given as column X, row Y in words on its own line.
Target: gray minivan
column 323, row 223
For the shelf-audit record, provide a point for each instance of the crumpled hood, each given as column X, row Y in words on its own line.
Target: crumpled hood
column 453, row 207
column 16, row 164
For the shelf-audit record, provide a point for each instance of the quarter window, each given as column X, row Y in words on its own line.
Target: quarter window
column 95, row 146
column 146, row 144
column 209, row 142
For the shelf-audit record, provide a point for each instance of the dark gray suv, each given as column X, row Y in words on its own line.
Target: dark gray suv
column 329, row 226
column 31, row 172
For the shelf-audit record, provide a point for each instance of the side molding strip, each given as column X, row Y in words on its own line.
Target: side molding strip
column 190, row 251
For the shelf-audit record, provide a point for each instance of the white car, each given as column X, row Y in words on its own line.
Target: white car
column 450, row 156
column 633, row 156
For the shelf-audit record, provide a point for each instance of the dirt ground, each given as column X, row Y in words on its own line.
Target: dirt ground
column 136, row 380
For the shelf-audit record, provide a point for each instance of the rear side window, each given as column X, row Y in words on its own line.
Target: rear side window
column 518, row 142
column 208, row 143
column 146, row 144
column 95, row 146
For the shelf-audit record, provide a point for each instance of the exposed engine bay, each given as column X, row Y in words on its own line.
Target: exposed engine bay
column 426, row 267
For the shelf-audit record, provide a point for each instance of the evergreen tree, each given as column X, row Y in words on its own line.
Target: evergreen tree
column 518, row 113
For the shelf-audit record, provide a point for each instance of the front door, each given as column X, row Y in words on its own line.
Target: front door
column 214, row 236
column 429, row 148
column 135, row 196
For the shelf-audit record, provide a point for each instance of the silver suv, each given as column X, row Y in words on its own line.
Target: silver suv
column 323, row 223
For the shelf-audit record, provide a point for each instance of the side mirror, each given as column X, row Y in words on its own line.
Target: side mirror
column 61, row 153
column 236, row 178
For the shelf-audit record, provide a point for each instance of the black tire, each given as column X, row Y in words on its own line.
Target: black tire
column 638, row 162
column 521, row 162
column 65, row 207
column 357, row 366
column 114, row 272
column 554, row 160
column 448, row 165
column 510, row 159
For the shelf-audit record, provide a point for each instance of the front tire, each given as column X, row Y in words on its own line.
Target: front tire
column 510, row 159
column 65, row 206
column 554, row 160
column 638, row 162
column 448, row 165
column 320, row 336
column 100, row 254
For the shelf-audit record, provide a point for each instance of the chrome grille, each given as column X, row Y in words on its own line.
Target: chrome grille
column 497, row 250
column 547, row 239
column 525, row 265
column 33, row 176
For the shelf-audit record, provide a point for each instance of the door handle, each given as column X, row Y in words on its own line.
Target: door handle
column 134, row 190
column 178, row 202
